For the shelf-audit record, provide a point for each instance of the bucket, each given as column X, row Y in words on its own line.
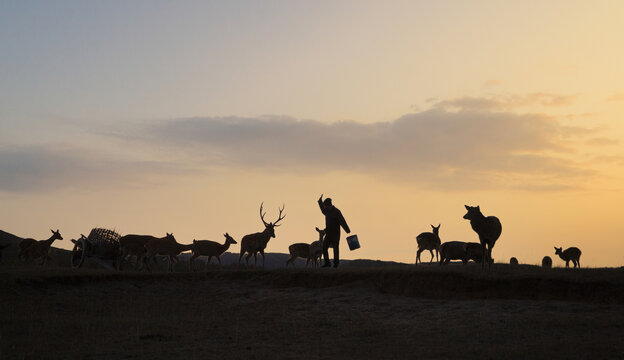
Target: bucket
column 353, row 242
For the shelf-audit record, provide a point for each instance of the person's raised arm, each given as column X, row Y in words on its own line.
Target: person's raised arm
column 320, row 202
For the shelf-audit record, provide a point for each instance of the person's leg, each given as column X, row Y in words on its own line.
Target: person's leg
column 326, row 244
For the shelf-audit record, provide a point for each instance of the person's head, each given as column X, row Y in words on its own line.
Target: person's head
column 327, row 202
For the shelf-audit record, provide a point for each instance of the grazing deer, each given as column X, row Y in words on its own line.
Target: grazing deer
column 488, row 228
column 429, row 241
column 453, row 250
column 41, row 248
column 307, row 251
column 474, row 252
column 572, row 253
column 134, row 246
column 546, row 262
column 257, row 242
column 167, row 246
column 210, row 248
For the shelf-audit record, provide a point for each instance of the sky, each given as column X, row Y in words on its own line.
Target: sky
column 183, row 117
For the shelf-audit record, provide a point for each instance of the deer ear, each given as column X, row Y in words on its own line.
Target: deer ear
column 467, row 207
column 317, row 229
column 478, row 207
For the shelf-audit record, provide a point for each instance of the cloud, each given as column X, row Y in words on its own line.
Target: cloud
column 505, row 103
column 616, row 97
column 437, row 148
column 53, row 167
column 602, row 141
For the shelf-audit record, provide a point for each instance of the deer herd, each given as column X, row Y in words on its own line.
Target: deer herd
column 143, row 249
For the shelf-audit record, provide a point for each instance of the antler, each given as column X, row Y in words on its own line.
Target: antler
column 280, row 217
column 262, row 215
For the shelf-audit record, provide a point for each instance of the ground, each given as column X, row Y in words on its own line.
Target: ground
column 350, row 313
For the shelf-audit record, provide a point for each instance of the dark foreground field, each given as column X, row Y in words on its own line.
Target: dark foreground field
column 404, row 312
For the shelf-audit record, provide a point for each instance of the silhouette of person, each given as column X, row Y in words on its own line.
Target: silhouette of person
column 333, row 221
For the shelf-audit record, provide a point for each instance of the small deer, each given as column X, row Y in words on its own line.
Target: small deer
column 167, row 246
column 210, row 248
column 488, row 228
column 134, row 246
column 513, row 261
column 429, row 241
column 572, row 253
column 41, row 248
column 257, row 242
column 307, row 251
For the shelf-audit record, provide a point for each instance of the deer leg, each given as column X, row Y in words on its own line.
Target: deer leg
column 247, row 257
column 219, row 259
column 567, row 263
column 262, row 253
column 241, row 256
column 431, row 251
column 418, row 255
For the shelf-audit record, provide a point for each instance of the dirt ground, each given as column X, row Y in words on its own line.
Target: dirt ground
column 288, row 314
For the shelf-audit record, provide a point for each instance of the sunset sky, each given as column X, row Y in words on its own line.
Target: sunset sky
column 159, row 116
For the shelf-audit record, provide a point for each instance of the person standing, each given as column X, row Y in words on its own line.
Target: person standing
column 333, row 221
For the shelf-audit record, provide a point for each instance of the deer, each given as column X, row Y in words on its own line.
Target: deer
column 307, row 251
column 167, row 246
column 134, row 246
column 39, row 248
column 488, row 228
column 572, row 253
column 453, row 250
column 429, row 241
column 210, row 248
column 257, row 242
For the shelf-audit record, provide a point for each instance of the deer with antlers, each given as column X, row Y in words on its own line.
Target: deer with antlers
column 253, row 244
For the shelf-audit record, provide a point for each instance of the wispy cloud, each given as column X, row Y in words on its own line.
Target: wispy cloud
column 438, row 148
column 53, row 167
column 505, row 103
column 464, row 143
column 616, row 97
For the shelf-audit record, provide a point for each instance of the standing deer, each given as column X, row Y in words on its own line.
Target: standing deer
column 167, row 246
column 257, row 242
column 210, row 248
column 488, row 228
column 572, row 253
column 429, row 241
column 40, row 249
column 307, row 251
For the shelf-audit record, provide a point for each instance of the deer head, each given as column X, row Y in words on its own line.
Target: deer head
column 270, row 227
column 435, row 229
column 321, row 233
column 170, row 237
column 56, row 235
column 229, row 239
column 558, row 250
column 473, row 212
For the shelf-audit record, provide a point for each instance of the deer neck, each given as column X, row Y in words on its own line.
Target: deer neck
column 225, row 246
column 185, row 247
column 49, row 241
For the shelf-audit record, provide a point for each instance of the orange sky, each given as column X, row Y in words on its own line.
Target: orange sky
column 184, row 117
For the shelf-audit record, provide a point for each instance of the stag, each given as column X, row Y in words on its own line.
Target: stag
column 257, row 242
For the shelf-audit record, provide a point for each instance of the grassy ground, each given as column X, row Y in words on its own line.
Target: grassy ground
column 452, row 312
